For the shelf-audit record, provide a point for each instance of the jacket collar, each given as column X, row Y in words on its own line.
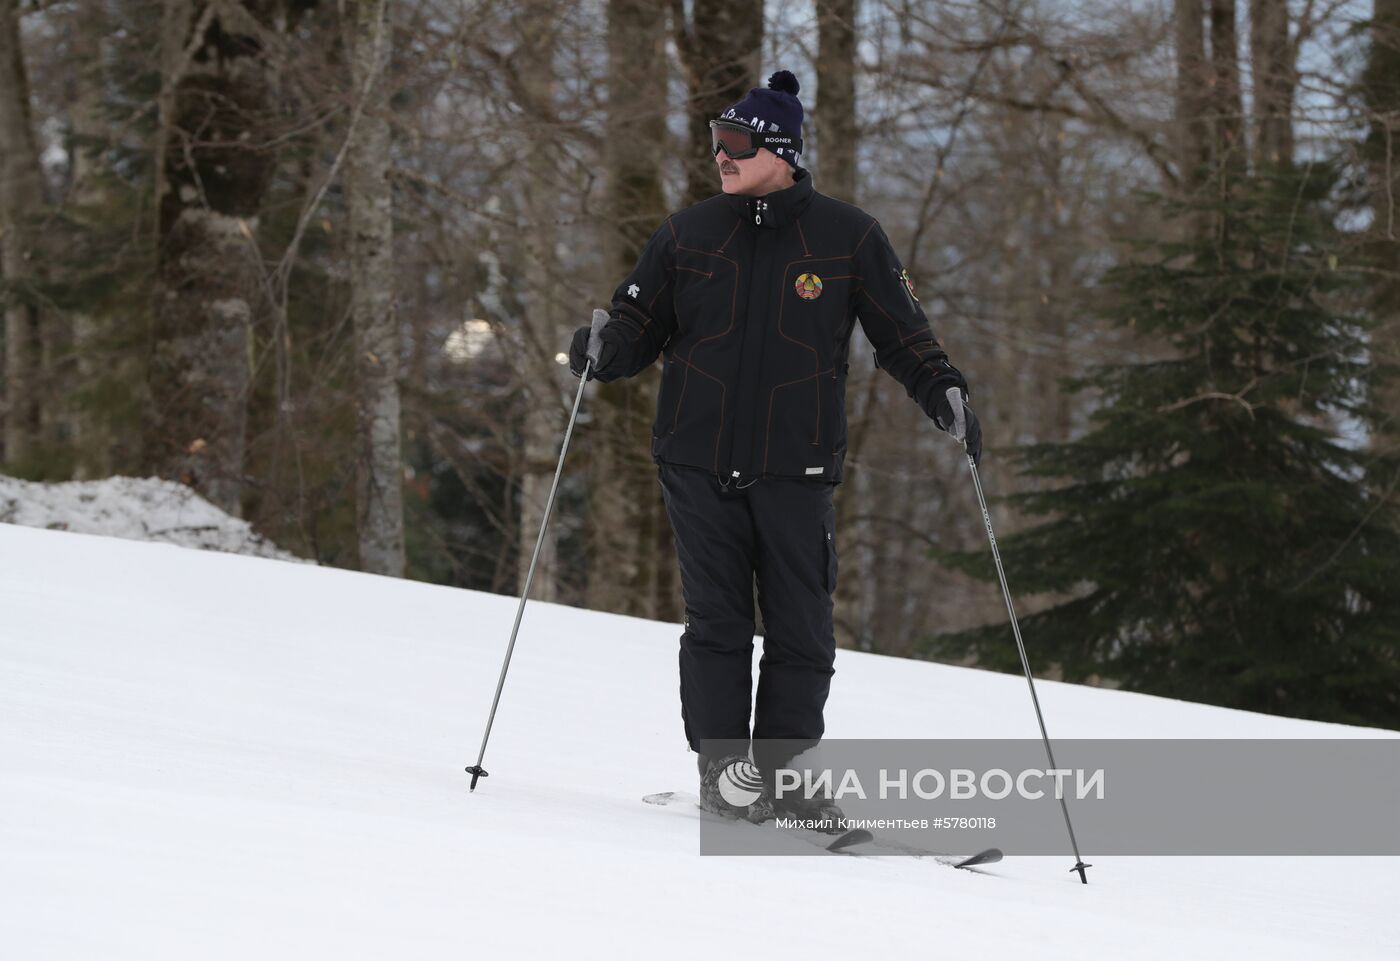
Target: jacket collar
column 779, row 208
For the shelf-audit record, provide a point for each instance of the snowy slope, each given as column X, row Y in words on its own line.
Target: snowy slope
column 208, row 756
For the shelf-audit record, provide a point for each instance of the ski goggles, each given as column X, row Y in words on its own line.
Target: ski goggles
column 741, row 141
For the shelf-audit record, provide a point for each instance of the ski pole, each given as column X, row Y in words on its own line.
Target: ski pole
column 595, row 344
column 960, row 433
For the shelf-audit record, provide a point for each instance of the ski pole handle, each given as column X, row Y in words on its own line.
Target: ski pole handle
column 959, row 428
column 595, row 336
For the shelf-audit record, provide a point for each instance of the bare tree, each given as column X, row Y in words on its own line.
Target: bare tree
column 836, row 97
column 92, row 442
column 1209, row 110
column 833, row 122
column 543, row 327
column 21, row 199
column 1192, row 95
column 1231, row 151
column 1273, row 64
column 213, row 166
column 379, row 459
column 629, row 529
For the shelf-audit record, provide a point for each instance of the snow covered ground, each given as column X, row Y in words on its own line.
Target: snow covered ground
column 208, row 756
column 142, row 509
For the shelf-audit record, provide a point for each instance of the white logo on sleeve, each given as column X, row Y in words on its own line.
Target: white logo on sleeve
column 814, row 470
column 633, row 291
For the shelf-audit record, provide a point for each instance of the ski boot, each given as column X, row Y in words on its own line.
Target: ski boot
column 824, row 813
column 733, row 788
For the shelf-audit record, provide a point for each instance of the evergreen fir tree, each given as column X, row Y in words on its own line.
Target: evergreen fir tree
column 1220, row 533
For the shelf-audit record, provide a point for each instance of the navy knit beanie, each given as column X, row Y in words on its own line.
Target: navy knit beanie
column 776, row 108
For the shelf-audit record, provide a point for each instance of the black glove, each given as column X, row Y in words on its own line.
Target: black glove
column 945, row 416
column 578, row 355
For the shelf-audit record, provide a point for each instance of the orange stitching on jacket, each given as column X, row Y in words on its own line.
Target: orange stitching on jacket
column 734, row 300
column 720, row 248
column 772, row 394
column 652, row 302
column 676, row 416
column 803, row 234
column 637, row 331
column 861, row 242
column 903, row 341
column 685, row 383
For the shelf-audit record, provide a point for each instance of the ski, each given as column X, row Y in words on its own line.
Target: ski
column 880, row 845
column 833, row 843
column 893, row 846
column 844, row 843
column 989, row 856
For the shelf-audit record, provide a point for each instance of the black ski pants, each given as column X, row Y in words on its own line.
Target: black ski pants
column 779, row 532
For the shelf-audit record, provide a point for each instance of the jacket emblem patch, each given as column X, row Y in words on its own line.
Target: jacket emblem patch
column 809, row 286
column 908, row 284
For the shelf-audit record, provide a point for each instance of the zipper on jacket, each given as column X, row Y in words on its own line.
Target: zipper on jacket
column 727, row 473
column 755, row 326
column 766, row 284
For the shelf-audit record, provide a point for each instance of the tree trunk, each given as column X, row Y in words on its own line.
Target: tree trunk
column 629, row 530
column 1192, row 96
column 21, row 196
column 379, row 457
column 1275, row 77
column 543, row 426
column 92, row 439
column 212, row 171
column 836, row 97
column 1209, row 112
column 1231, row 153
column 720, row 50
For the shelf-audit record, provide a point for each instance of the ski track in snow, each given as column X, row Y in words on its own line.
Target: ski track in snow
column 211, row 756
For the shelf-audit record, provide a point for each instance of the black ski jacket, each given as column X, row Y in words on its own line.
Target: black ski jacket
column 751, row 301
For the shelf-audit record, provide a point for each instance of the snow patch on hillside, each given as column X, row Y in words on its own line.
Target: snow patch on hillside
column 138, row 509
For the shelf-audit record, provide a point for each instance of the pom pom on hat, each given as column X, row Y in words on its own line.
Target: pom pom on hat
column 785, row 82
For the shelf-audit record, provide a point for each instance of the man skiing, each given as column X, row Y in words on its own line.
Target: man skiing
column 750, row 298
